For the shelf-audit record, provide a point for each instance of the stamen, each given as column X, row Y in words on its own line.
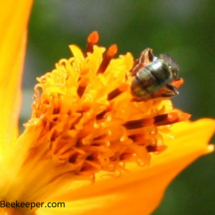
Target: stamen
column 133, row 137
column 139, row 123
column 82, row 86
column 106, row 60
column 114, row 94
column 81, row 90
column 101, row 115
column 156, row 148
column 170, row 118
column 92, row 39
column 118, row 91
column 164, row 119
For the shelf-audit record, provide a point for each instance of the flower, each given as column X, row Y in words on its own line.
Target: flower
column 88, row 142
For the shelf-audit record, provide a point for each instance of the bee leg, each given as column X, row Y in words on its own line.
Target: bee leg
column 145, row 58
column 137, row 66
column 169, row 91
column 166, row 91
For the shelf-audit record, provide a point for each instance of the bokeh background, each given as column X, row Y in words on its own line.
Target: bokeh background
column 184, row 29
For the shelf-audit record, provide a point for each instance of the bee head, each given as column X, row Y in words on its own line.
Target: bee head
column 173, row 66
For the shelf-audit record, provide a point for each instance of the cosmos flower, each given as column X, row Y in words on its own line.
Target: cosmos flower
column 88, row 142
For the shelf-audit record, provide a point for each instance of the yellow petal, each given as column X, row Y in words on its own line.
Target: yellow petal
column 140, row 190
column 13, row 22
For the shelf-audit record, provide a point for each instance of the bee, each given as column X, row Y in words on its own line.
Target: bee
column 154, row 76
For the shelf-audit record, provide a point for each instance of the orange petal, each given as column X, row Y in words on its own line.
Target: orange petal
column 140, row 190
column 13, row 24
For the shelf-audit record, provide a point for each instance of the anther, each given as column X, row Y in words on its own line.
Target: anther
column 111, row 52
column 82, row 86
column 156, row 148
column 122, row 88
column 170, row 118
column 139, row 123
column 178, row 82
column 92, row 39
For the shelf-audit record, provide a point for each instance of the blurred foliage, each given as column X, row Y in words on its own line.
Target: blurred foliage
column 184, row 29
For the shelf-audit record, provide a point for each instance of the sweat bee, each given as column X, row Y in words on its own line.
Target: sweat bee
column 154, row 76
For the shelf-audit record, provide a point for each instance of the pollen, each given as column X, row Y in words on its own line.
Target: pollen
column 85, row 118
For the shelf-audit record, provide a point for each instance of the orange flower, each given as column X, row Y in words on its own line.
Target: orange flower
column 86, row 127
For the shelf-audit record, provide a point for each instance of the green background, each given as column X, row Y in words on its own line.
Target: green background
column 185, row 29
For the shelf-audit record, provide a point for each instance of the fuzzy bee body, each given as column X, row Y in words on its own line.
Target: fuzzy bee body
column 152, row 76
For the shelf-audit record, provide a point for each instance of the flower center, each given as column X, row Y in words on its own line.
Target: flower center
column 89, row 120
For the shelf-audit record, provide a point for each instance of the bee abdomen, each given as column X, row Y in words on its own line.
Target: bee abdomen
column 160, row 72
column 143, row 84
